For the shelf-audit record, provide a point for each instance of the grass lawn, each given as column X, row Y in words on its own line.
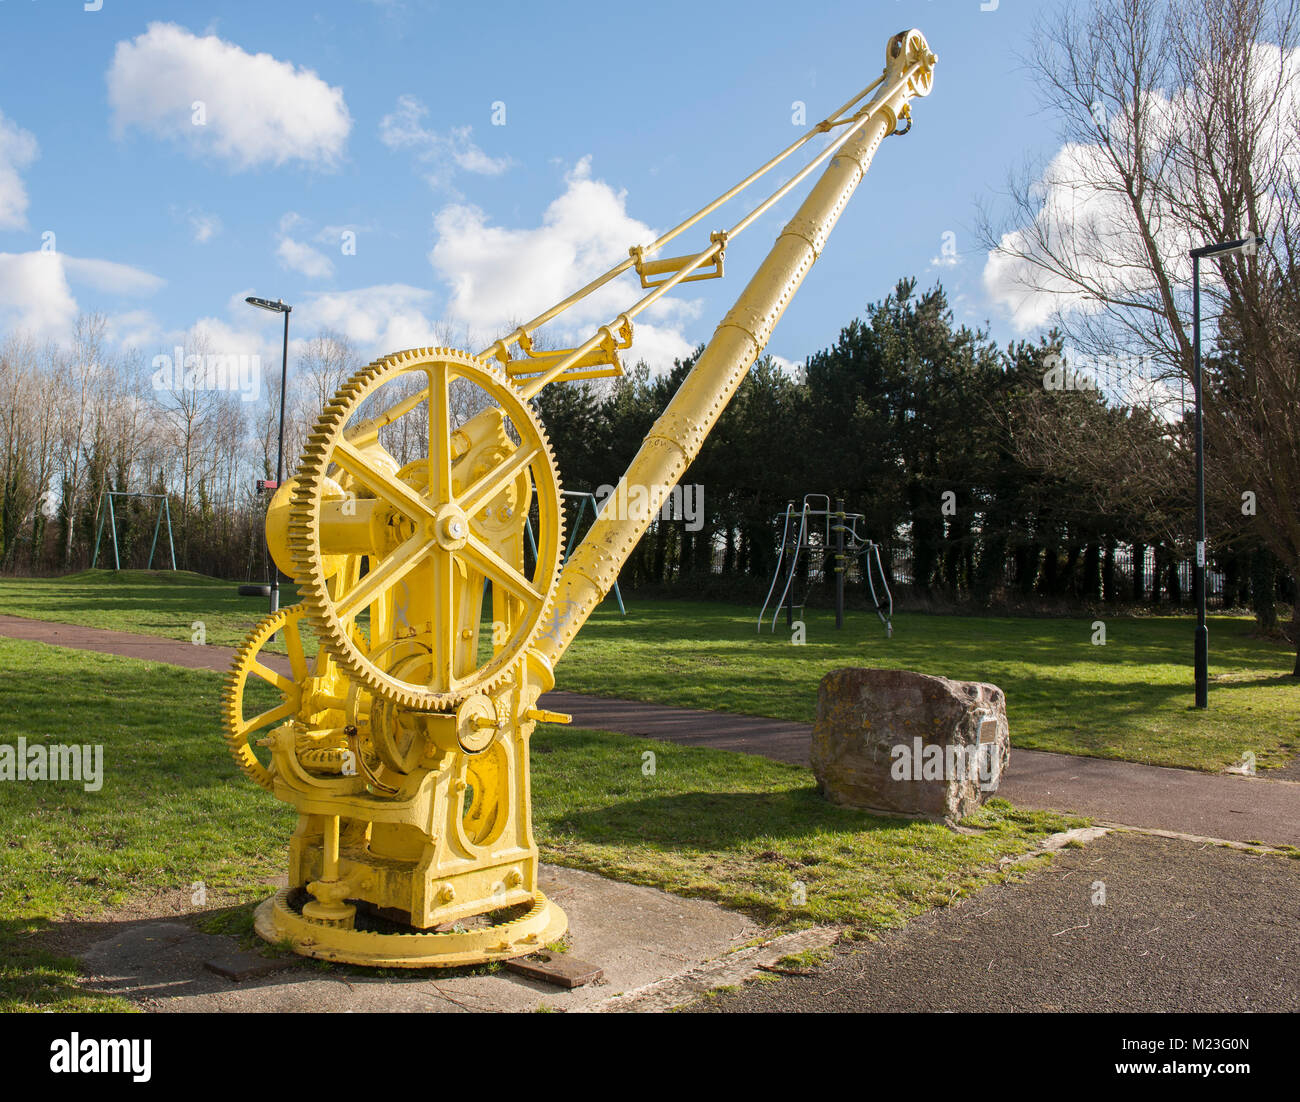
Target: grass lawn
column 159, row 602
column 1129, row 699
column 173, row 810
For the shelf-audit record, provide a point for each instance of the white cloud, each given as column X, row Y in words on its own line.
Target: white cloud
column 256, row 109
column 334, row 234
column 303, row 259
column 298, row 256
column 142, row 331
column 498, row 276
column 658, row 345
column 1079, row 210
column 111, row 277
column 138, row 329
column 242, row 338
column 35, row 296
column 378, row 320
column 1083, row 213
column 205, row 226
column 36, row 293
column 18, row 149
column 444, row 153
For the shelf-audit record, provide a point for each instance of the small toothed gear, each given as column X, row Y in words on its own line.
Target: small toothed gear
column 239, row 731
column 448, row 524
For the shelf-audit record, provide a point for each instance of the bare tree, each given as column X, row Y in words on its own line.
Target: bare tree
column 325, row 363
column 188, row 407
column 77, row 381
column 1180, row 126
column 19, row 484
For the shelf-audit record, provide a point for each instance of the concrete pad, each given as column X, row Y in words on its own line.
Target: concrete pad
column 240, row 966
column 730, row 971
column 639, row 936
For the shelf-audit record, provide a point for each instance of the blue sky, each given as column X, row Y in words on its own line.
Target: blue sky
column 616, row 117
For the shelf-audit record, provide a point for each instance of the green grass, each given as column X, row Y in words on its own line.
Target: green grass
column 33, row 977
column 809, row 958
column 746, row 832
column 172, row 810
column 160, row 602
column 1129, row 699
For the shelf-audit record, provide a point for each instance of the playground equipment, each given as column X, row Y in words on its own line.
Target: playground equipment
column 584, row 498
column 840, row 543
column 106, row 510
column 403, row 741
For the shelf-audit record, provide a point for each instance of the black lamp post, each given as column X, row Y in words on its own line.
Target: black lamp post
column 1247, row 246
column 277, row 307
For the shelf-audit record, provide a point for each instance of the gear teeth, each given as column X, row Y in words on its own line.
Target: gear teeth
column 232, row 694
column 304, row 528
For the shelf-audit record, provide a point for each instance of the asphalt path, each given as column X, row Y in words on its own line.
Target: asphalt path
column 1183, row 926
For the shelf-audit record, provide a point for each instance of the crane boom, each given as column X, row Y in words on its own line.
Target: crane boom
column 676, row 437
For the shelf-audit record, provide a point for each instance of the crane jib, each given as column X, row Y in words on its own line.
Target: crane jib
column 676, row 438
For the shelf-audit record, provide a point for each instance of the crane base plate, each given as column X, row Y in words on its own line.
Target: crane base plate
column 279, row 923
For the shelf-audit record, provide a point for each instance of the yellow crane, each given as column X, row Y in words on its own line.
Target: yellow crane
column 400, row 728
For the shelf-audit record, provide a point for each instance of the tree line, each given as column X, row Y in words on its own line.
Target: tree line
column 983, row 485
column 936, row 435
column 78, row 420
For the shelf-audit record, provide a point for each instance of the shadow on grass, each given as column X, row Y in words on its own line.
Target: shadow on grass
column 708, row 821
column 37, row 975
column 1276, row 680
column 41, row 966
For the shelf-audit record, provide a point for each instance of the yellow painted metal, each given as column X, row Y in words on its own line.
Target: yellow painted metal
column 402, row 737
column 434, row 532
column 669, row 266
column 543, row 716
column 406, row 750
column 601, row 362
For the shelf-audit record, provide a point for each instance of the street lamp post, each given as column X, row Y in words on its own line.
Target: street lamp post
column 1247, row 246
column 277, row 307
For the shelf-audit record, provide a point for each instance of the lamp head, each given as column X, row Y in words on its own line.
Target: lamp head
column 277, row 307
column 1247, row 246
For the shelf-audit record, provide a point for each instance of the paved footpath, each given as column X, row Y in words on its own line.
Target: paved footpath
column 1182, row 926
column 1240, row 809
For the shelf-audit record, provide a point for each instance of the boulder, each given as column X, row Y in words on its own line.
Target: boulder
column 909, row 744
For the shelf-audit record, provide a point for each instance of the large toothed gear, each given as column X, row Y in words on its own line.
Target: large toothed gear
column 241, row 731
column 433, row 531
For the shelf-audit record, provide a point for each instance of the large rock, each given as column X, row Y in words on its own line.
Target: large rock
column 909, row 744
